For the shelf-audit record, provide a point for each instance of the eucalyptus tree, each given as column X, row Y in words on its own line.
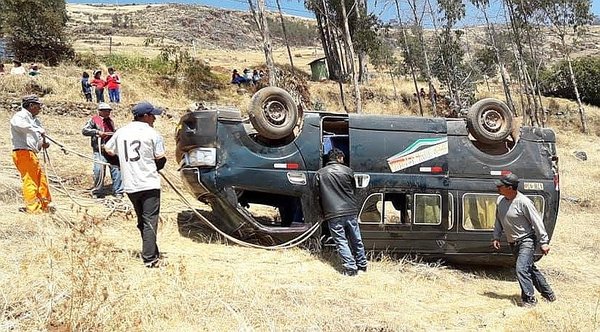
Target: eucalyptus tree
column 260, row 19
column 568, row 18
column 418, row 11
column 409, row 57
column 35, row 29
column 448, row 63
column 483, row 57
column 285, row 35
column 520, row 14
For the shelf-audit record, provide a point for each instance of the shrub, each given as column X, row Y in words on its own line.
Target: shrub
column 200, row 82
column 86, row 60
column 556, row 80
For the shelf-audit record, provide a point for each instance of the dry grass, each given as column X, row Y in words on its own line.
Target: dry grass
column 79, row 268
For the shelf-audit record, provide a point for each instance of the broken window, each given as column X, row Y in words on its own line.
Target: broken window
column 389, row 209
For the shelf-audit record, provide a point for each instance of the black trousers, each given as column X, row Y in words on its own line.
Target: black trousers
column 147, row 207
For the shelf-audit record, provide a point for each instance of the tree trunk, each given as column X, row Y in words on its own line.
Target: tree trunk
column 363, row 74
column 407, row 50
column 505, row 81
column 582, row 116
column 261, row 22
column 285, row 36
column 350, row 48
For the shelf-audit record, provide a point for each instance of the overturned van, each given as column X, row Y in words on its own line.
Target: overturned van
column 425, row 185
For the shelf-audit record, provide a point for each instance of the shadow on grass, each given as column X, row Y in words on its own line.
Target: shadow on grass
column 514, row 298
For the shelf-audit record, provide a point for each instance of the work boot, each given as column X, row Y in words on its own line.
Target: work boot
column 349, row 272
column 549, row 297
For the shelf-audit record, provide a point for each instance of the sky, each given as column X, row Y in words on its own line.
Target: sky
column 384, row 9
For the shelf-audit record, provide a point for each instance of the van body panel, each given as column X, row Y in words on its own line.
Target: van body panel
column 421, row 172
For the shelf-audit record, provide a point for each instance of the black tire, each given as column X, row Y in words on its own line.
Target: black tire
column 489, row 121
column 273, row 113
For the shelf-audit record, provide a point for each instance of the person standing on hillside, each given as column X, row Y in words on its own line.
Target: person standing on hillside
column 27, row 135
column 100, row 128
column 335, row 182
column 98, row 85
column 524, row 229
column 141, row 152
column 86, row 87
column 113, row 83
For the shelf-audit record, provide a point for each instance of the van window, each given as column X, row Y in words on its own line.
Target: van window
column 538, row 202
column 389, row 209
column 479, row 211
column 428, row 209
column 371, row 210
column 396, row 209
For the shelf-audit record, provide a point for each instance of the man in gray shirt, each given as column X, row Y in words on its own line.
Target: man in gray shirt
column 523, row 226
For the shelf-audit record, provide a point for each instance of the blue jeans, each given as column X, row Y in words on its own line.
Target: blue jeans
column 99, row 172
column 114, row 95
column 348, row 242
column 99, row 95
column 528, row 275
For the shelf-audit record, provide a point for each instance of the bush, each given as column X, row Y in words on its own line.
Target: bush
column 200, row 83
column 556, row 80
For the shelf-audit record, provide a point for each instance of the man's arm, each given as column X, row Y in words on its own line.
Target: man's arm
column 537, row 223
column 497, row 231
column 90, row 129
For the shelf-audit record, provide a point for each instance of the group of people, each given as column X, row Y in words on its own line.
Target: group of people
column 139, row 150
column 18, row 69
column 140, row 154
column 248, row 77
column 516, row 217
column 112, row 83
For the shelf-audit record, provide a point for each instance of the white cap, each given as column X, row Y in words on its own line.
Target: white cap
column 104, row 107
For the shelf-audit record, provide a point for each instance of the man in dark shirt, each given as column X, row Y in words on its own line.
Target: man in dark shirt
column 340, row 209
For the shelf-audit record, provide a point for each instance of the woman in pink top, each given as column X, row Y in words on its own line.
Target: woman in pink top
column 98, row 84
column 113, row 83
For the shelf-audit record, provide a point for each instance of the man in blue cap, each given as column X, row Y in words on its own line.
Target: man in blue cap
column 141, row 152
column 523, row 226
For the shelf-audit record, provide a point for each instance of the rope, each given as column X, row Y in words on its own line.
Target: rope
column 67, row 151
column 289, row 244
column 114, row 204
column 286, row 245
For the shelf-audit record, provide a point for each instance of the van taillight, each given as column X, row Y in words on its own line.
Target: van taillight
column 556, row 182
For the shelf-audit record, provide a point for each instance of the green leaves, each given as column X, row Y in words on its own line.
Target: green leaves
column 35, row 29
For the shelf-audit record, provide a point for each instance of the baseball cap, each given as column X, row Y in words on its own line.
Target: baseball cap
column 145, row 107
column 104, row 107
column 31, row 99
column 508, row 180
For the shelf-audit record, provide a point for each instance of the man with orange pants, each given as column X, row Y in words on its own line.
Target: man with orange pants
column 27, row 136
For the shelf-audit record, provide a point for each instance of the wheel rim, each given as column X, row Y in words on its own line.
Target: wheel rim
column 492, row 120
column 275, row 112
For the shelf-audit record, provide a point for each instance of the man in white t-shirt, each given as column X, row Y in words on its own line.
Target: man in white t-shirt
column 141, row 152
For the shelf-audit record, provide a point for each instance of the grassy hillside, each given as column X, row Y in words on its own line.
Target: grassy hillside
column 79, row 269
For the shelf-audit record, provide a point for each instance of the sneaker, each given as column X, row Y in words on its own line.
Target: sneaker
column 349, row 273
column 118, row 196
column 362, row 269
column 23, row 209
column 550, row 297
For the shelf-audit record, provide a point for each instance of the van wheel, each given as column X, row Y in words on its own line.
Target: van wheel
column 273, row 113
column 489, row 121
